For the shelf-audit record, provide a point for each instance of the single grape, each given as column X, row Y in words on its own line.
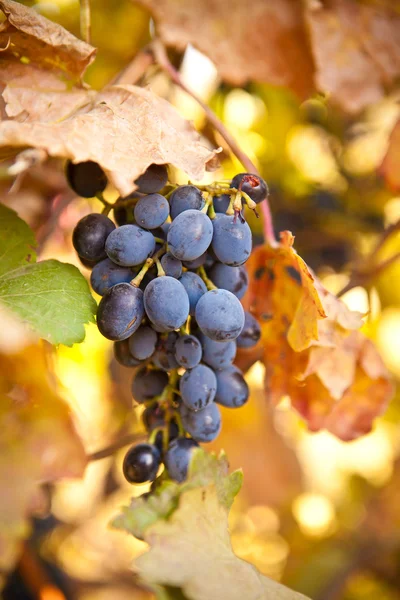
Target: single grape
column 177, row 458
column 105, row 274
column 151, row 211
column 233, row 279
column 185, row 197
column 195, row 288
column 220, row 315
column 171, row 265
column 189, row 235
column 253, row 185
column 166, row 302
column 198, row 387
column 123, row 354
column 146, row 384
column 203, row 425
column 130, row 245
column 86, row 178
column 164, row 356
column 142, row 343
column 217, row 355
column 196, row 263
column 141, row 463
column 232, row 389
column 221, row 203
column 210, row 259
column 251, row 332
column 153, row 179
column 90, row 234
column 188, row 351
column 120, row 311
column 231, row 241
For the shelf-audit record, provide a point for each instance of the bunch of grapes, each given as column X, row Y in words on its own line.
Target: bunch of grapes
column 171, row 275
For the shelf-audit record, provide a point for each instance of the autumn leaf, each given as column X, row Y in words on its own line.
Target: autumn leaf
column 311, row 347
column 196, row 525
column 38, row 443
column 259, row 41
column 390, row 164
column 26, row 34
column 356, row 48
column 127, row 129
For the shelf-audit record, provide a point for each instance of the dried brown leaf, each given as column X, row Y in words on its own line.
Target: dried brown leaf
column 125, row 130
column 356, row 48
column 44, row 43
column 34, row 94
column 258, row 40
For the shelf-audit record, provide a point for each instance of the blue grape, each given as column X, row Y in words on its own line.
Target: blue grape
column 153, row 179
column 189, row 235
column 141, row 463
column 171, row 265
column 86, row 178
column 124, row 214
column 105, row 274
column 123, row 354
column 151, row 211
column 120, row 311
column 220, row 315
column 232, row 389
column 231, row 241
column 255, row 186
column 203, row 425
column 177, row 458
column 130, row 245
column 198, row 387
column 164, row 356
column 251, row 332
column 90, row 235
column 142, row 343
column 233, row 279
column 195, row 288
column 217, row 355
column 146, row 384
column 185, row 197
column 166, row 302
column 162, row 232
column 196, row 263
column 188, row 351
column 221, row 203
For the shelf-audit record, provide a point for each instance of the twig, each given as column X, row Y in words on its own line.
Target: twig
column 367, row 268
column 85, row 20
column 162, row 60
column 135, row 69
column 110, row 450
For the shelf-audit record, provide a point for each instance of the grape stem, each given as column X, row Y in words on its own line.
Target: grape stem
column 209, row 284
column 161, row 58
column 136, row 281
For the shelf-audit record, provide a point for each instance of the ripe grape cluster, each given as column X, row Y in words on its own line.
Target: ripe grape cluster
column 171, row 275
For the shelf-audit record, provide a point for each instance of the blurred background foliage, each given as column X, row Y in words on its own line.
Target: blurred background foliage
column 318, row 514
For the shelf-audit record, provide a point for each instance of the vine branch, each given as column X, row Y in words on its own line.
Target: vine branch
column 112, row 448
column 85, row 20
column 161, row 58
column 367, row 268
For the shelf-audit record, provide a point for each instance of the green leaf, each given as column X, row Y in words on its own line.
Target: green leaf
column 186, row 526
column 53, row 298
